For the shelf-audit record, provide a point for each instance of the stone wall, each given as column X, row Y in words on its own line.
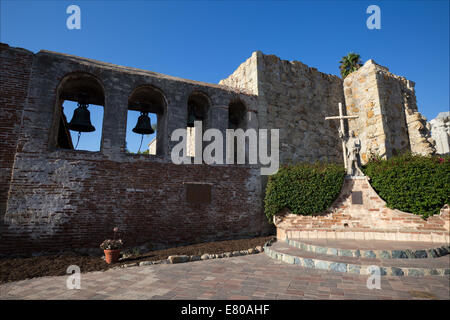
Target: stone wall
column 420, row 140
column 244, row 78
column 440, row 132
column 61, row 198
column 388, row 122
column 391, row 94
column 362, row 100
column 296, row 99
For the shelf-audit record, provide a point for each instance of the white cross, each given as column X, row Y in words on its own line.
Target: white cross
column 341, row 117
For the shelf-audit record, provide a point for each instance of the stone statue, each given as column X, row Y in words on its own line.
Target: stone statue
column 353, row 146
column 440, row 132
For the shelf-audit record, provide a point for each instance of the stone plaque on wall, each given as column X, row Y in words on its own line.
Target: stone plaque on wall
column 198, row 192
column 357, row 197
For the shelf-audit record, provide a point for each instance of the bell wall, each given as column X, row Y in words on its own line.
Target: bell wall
column 55, row 199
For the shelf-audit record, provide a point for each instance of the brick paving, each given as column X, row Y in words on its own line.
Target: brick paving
column 245, row 277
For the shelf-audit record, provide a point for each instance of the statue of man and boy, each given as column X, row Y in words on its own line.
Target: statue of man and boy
column 353, row 146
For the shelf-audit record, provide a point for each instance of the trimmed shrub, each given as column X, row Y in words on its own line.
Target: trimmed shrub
column 415, row 184
column 303, row 188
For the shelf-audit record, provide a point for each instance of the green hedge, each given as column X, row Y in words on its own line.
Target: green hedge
column 303, row 188
column 415, row 184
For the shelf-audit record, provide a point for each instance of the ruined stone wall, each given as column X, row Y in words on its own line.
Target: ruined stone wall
column 405, row 130
column 392, row 108
column 296, row 99
column 440, row 132
column 362, row 100
column 61, row 198
column 388, row 122
column 419, row 132
column 245, row 77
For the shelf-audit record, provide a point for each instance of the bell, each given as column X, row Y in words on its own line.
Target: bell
column 143, row 125
column 81, row 120
column 191, row 119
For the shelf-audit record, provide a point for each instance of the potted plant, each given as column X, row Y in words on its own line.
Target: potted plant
column 111, row 248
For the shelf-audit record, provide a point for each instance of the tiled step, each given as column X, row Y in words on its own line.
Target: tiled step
column 380, row 249
column 293, row 232
column 358, row 265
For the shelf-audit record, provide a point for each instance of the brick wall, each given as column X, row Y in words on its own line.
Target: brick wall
column 73, row 202
column 61, row 199
column 15, row 66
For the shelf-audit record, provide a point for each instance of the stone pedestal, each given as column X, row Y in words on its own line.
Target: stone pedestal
column 359, row 213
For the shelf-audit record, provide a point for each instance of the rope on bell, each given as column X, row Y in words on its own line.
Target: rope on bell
column 79, row 135
column 142, row 138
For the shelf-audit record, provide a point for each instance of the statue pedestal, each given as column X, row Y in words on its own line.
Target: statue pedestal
column 360, row 214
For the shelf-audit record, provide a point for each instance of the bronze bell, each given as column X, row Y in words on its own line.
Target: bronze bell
column 81, row 120
column 143, row 125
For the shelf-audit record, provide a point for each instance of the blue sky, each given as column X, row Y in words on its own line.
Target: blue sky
column 207, row 40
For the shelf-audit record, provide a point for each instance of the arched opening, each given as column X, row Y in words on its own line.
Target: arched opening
column 146, row 109
column 78, row 119
column 198, row 110
column 237, row 120
column 236, row 115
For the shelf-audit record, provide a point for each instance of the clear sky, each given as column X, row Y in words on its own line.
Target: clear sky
column 207, row 40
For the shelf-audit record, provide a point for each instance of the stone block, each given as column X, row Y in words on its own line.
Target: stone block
column 178, row 258
column 339, row 267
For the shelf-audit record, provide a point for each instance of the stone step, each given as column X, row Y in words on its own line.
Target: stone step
column 380, row 249
column 436, row 236
column 358, row 265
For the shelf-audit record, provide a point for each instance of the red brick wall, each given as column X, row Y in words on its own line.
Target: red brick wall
column 15, row 66
column 146, row 200
column 62, row 199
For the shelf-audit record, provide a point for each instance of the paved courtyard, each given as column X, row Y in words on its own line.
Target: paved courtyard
column 245, row 277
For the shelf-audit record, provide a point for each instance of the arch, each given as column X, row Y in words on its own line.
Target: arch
column 77, row 82
column 237, row 111
column 150, row 99
column 199, row 105
column 198, row 109
column 76, row 86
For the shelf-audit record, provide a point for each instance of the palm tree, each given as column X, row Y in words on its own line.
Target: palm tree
column 349, row 63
